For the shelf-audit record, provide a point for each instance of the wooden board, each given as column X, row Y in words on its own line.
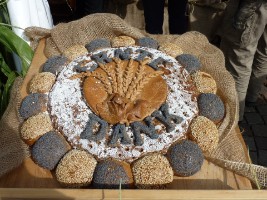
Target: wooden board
column 29, row 175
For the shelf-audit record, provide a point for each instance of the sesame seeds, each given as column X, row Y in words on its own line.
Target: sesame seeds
column 42, row 82
column 36, row 126
column 76, row 169
column 122, row 41
column 171, row 49
column 204, row 82
column 205, row 133
column 152, row 171
column 74, row 51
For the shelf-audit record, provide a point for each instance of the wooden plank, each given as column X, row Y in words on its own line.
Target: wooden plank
column 30, row 175
column 82, row 194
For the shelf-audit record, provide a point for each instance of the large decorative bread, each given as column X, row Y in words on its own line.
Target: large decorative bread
column 122, row 103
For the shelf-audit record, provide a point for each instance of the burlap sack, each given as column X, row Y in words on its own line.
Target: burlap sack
column 230, row 153
column 12, row 149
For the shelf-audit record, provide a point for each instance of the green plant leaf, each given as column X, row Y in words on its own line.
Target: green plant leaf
column 4, row 67
column 5, row 85
column 15, row 44
column 6, row 92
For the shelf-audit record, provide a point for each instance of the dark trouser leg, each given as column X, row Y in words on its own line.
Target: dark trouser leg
column 154, row 13
column 86, row 7
column 178, row 21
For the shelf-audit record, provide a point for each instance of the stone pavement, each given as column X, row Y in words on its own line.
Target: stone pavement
column 254, row 129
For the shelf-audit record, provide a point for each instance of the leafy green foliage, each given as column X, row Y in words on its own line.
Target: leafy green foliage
column 10, row 44
column 15, row 44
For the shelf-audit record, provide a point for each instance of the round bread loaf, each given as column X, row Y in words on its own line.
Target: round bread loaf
column 205, row 133
column 152, row 171
column 211, row 106
column 49, row 149
column 97, row 44
column 42, row 82
column 109, row 174
column 33, row 104
column 55, row 64
column 171, row 49
column 76, row 169
column 148, row 42
column 204, row 82
column 75, row 51
column 186, row 158
column 35, row 126
column 190, row 62
column 122, row 41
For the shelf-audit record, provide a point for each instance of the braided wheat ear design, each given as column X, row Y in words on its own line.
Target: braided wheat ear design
column 125, row 82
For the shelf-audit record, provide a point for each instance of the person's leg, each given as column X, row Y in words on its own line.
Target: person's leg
column 93, row 6
column 86, row 7
column 259, row 70
column 239, row 49
column 178, row 21
column 154, row 15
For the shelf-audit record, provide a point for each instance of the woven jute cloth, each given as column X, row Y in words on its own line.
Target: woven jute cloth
column 12, row 149
column 230, row 152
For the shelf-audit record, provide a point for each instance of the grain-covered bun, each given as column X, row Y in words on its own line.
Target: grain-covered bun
column 97, row 44
column 109, row 174
column 122, row 41
column 76, row 169
column 205, row 133
column 35, row 126
column 152, row 171
column 75, row 51
column 171, row 49
column 55, row 64
column 148, row 42
column 49, row 149
column 33, row 104
column 211, row 106
column 186, row 158
column 190, row 62
column 204, row 82
column 42, row 82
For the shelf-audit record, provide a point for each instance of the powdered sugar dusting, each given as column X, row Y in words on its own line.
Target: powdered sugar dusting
column 69, row 111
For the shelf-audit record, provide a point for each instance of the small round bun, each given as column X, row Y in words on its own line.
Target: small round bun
column 152, row 171
column 205, row 133
column 33, row 104
column 49, row 149
column 122, row 41
column 42, row 82
column 186, row 158
column 76, row 169
column 190, row 62
column 110, row 173
column 204, row 82
column 55, row 64
column 171, row 49
column 35, row 126
column 75, row 51
column 96, row 44
column 147, row 42
column 211, row 106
